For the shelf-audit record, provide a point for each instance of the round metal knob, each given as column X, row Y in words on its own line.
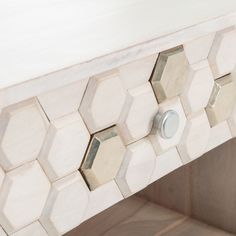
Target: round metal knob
column 167, row 123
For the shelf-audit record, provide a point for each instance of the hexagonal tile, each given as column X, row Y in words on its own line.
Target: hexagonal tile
column 35, row 229
column 137, row 117
column 66, row 205
column 223, row 99
column 23, row 128
column 161, row 144
column 198, row 88
column 2, row 232
column 222, row 57
column 103, row 101
column 25, row 190
column 103, row 159
column 137, row 167
column 2, row 175
column 195, row 137
column 170, row 73
column 65, row 146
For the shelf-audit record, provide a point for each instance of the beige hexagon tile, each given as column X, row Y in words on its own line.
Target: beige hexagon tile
column 223, row 99
column 23, row 129
column 64, row 100
column 219, row 134
column 102, row 198
column 195, row 137
column 159, row 143
column 198, row 87
column 170, row 73
column 23, row 196
column 65, row 146
column 137, row 72
column 34, row 229
column 66, row 205
column 166, row 163
column 103, row 101
column 137, row 167
column 138, row 114
column 103, row 159
column 222, row 57
column 198, row 49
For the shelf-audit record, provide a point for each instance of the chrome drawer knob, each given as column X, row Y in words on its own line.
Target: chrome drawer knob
column 166, row 123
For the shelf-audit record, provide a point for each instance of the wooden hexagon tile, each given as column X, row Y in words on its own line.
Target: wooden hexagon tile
column 23, row 129
column 64, row 100
column 65, row 146
column 222, row 56
column 138, row 114
column 195, row 137
column 34, row 229
column 137, row 72
column 200, row 82
column 137, row 167
column 23, row 196
column 103, row 101
column 68, row 199
column 161, row 144
column 103, row 158
column 223, row 99
column 170, row 73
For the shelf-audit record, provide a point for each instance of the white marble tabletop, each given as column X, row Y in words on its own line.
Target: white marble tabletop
column 42, row 36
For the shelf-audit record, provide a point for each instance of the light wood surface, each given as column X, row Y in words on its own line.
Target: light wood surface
column 138, row 217
column 46, row 36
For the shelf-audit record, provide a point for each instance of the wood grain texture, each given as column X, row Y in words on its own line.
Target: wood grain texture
column 135, row 216
column 72, row 31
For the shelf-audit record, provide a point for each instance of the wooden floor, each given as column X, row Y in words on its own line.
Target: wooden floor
column 138, row 217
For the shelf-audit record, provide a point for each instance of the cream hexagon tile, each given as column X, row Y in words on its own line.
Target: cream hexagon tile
column 66, row 205
column 138, row 114
column 65, row 146
column 166, row 163
column 137, row 72
column 64, row 100
column 23, row 129
column 170, row 73
column 198, row 87
column 223, row 99
column 22, row 197
column 222, row 57
column 161, row 144
column 219, row 134
column 102, row 198
column 34, row 229
column 195, row 137
column 103, row 101
column 137, row 167
column 198, row 49
column 103, row 158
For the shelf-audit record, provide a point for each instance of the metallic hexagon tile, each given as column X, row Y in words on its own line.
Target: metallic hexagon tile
column 170, row 73
column 222, row 101
column 103, row 158
column 23, row 129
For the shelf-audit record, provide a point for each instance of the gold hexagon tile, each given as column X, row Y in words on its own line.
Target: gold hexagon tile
column 104, row 157
column 222, row 100
column 170, row 73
